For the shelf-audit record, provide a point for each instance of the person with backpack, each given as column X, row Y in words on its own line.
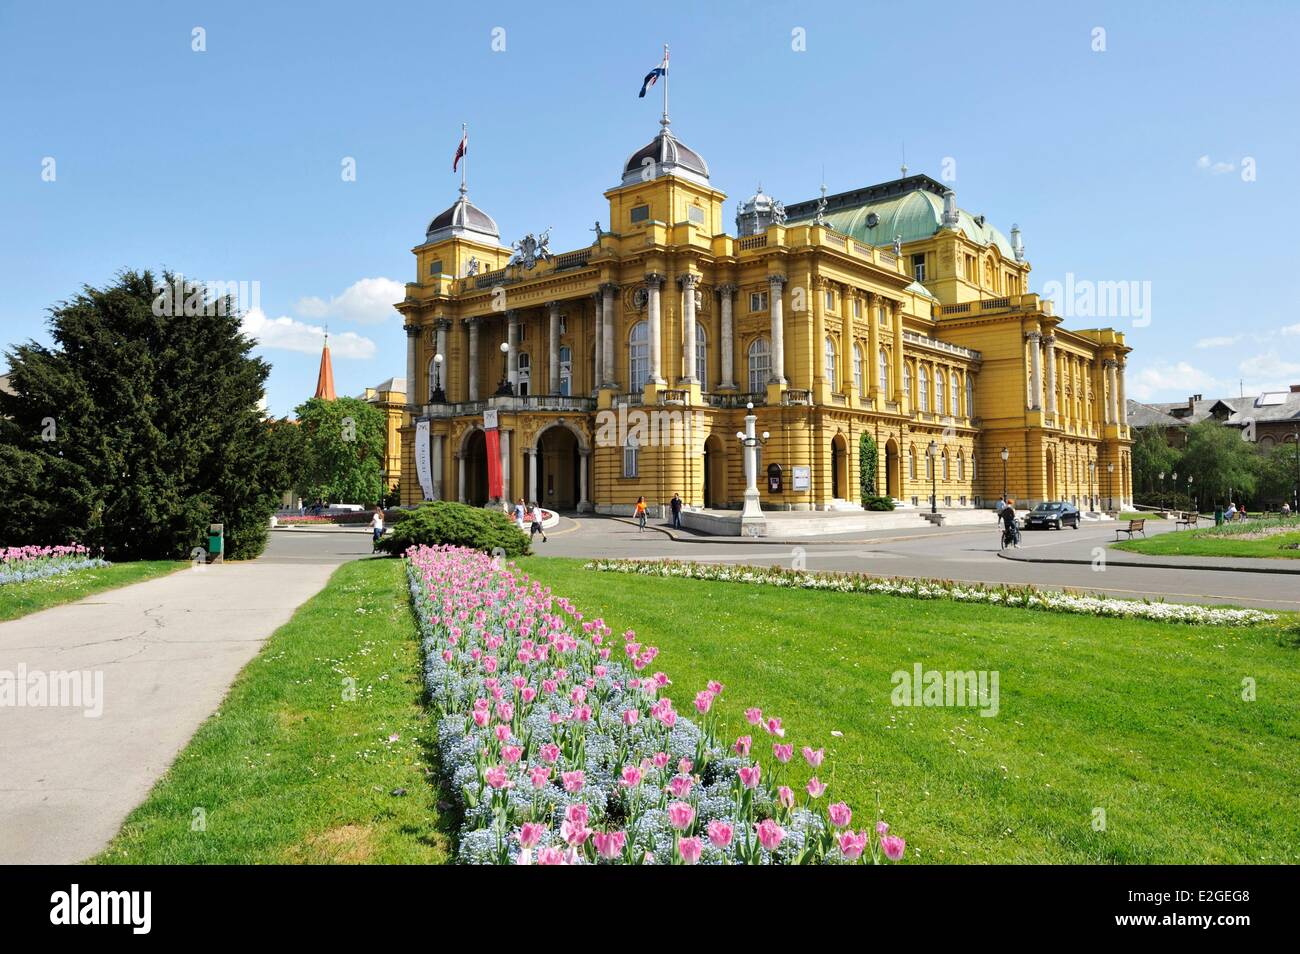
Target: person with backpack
column 535, row 522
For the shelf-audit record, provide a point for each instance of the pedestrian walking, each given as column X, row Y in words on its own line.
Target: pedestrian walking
column 535, row 523
column 519, row 514
column 639, row 513
column 676, row 507
column 376, row 527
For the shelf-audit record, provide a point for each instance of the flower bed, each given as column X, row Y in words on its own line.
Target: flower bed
column 562, row 752
column 24, row 564
column 1025, row 597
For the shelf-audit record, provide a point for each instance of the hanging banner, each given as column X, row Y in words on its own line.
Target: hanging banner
column 422, row 468
column 495, row 490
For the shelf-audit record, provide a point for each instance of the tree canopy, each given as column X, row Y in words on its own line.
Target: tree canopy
column 343, row 450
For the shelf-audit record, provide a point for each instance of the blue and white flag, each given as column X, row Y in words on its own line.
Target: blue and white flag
column 653, row 76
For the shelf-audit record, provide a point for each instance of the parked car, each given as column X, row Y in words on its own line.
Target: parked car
column 1052, row 515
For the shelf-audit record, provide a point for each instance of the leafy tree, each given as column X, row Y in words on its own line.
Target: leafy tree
column 1279, row 474
column 138, row 426
column 867, row 463
column 1220, row 461
column 1152, row 456
column 344, row 447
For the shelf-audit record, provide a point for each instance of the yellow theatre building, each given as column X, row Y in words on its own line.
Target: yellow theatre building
column 625, row 368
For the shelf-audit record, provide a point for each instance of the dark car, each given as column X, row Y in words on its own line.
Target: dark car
column 1052, row 515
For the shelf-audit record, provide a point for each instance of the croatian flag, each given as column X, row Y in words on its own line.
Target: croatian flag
column 460, row 150
column 653, row 76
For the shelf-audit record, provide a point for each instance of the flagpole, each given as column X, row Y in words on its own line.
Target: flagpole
column 666, row 120
column 464, row 137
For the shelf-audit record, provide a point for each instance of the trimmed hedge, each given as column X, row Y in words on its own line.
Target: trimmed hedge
column 445, row 523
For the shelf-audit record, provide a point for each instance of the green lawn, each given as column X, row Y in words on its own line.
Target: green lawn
column 288, row 770
column 1138, row 515
column 19, row 599
column 1143, row 720
column 1212, row 541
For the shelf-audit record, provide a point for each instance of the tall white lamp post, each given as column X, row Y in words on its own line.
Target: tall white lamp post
column 752, row 521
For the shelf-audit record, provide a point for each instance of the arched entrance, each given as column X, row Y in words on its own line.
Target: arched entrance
column 893, row 484
column 715, row 472
column 475, row 490
column 839, row 466
column 556, row 462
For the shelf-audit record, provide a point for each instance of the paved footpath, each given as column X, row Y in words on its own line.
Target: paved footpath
column 168, row 649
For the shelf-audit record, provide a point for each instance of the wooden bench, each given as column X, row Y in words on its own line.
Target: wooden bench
column 1134, row 526
column 1187, row 520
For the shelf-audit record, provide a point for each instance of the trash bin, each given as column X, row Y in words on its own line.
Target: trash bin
column 1218, row 516
column 216, row 542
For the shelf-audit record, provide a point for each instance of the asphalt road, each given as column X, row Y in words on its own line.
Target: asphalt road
column 965, row 554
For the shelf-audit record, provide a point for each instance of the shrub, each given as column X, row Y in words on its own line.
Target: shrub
column 443, row 522
column 867, row 462
column 874, row 502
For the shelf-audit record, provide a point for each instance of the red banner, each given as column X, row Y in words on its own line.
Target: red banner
column 494, row 463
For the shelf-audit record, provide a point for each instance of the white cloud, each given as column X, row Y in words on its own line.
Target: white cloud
column 289, row 334
column 1268, row 372
column 1169, row 380
column 1205, row 164
column 368, row 301
column 1291, row 330
column 1218, row 342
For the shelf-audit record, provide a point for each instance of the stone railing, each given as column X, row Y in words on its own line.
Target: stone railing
column 752, row 241
column 913, row 338
column 733, row 399
column 572, row 259
column 674, row 396
column 798, row 396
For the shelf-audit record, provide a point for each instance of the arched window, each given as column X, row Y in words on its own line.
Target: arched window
column 929, row 466
column 970, row 395
column 911, row 463
column 435, row 370
column 638, row 356
column 907, row 383
column 857, row 368
column 925, row 389
column 938, row 391
column 525, row 372
column 566, row 370
column 884, row 374
column 944, row 455
column 956, row 390
column 701, row 356
column 831, row 377
column 961, row 466
column 760, row 365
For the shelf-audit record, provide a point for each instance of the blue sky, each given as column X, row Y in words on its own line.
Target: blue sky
column 1119, row 165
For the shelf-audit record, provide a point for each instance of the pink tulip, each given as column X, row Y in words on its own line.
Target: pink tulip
column 630, row 717
column 631, row 776
column 882, row 828
column 579, row 814
column 531, row 833
column 782, row 753
column 770, row 834
column 497, row 777
column 660, row 759
column 690, row 849
column 754, row 716
column 481, row 717
column 703, row 701
column 720, row 833
column 816, row 787
column 540, row 775
column 785, row 795
column 574, row 833
column 685, row 765
column 573, row 781
column 742, row 744
column 550, row 752
column 550, row 856
column 851, row 845
column 840, row 814
column 680, row 815
column 749, row 775
column 502, row 732
column 680, row 785
column 893, row 847
column 814, row 756
column 715, row 687
column 609, row 844
column 774, row 728
column 511, row 753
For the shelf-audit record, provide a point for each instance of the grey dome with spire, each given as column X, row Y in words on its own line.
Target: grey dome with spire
column 463, row 220
column 667, row 155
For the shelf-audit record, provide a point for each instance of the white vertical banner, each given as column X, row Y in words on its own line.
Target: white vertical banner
column 422, row 468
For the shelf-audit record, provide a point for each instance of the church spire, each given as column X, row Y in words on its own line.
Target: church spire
column 325, row 377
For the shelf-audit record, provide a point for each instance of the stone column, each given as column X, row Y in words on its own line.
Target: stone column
column 412, row 338
column 726, row 338
column 607, row 291
column 460, row 479
column 436, row 456
column 1112, row 405
column 512, row 356
column 530, row 471
column 688, row 282
column 1119, row 394
column 441, row 369
column 553, row 346
column 598, row 363
column 873, row 345
column 1049, row 342
column 776, row 286
column 1035, row 370
column 819, row 334
column 472, row 391
column 896, row 313
column 584, row 504
column 848, row 341
column 654, row 282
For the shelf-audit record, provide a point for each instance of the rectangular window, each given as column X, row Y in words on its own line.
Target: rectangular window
column 830, row 301
column 758, row 301
column 564, row 325
column 918, row 267
column 435, row 267
column 857, row 308
column 630, row 454
column 640, row 213
column 695, row 214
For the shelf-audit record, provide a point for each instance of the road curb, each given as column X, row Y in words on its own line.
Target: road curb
column 798, row 541
column 1217, row 568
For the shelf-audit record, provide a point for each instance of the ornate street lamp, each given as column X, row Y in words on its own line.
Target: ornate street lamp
column 505, row 389
column 1005, row 454
column 752, row 514
column 1190, row 480
column 1162, row 490
column 931, row 452
column 439, row 396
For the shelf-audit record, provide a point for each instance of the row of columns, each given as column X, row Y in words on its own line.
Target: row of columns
column 1114, row 406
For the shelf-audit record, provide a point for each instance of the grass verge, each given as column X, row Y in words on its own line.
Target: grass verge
column 19, row 599
column 1208, row 542
column 1137, row 725
column 292, row 770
